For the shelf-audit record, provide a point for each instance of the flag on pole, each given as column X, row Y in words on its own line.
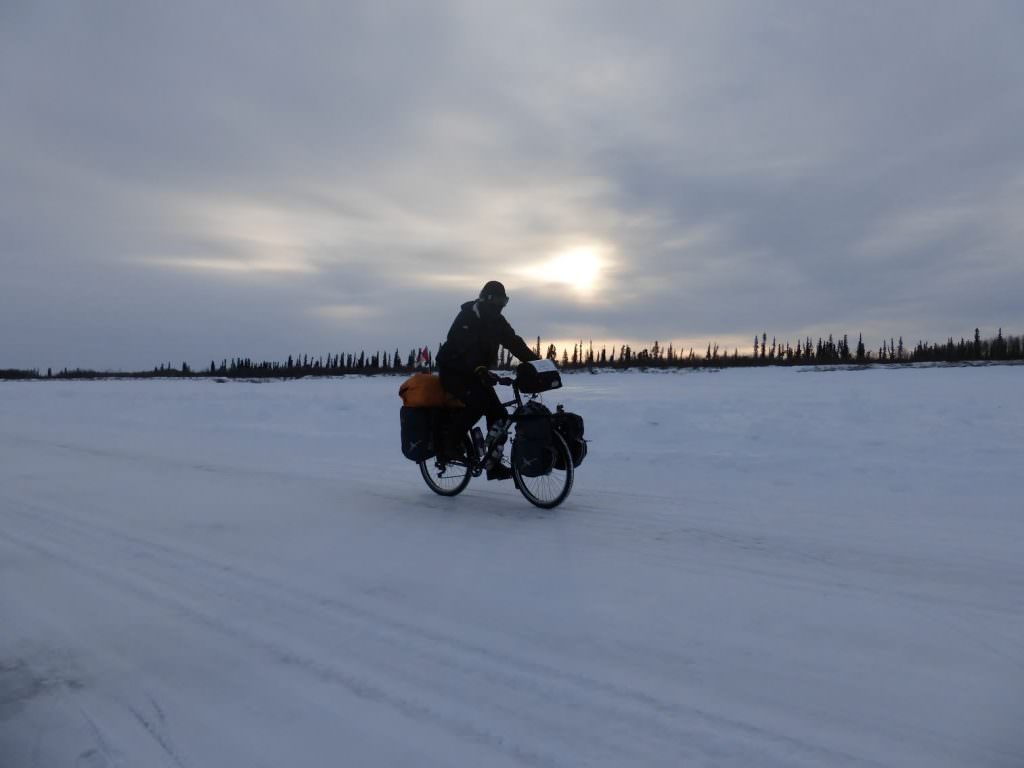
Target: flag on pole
column 423, row 359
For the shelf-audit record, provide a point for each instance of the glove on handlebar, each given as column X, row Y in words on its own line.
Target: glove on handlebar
column 485, row 376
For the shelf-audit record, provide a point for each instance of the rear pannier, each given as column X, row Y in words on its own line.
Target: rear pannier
column 538, row 376
column 533, row 449
column 570, row 427
column 418, row 433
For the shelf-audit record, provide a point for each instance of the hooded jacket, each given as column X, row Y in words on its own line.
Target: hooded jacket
column 474, row 337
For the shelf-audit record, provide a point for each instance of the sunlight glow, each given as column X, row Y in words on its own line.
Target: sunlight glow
column 232, row 265
column 579, row 267
column 345, row 312
column 250, row 240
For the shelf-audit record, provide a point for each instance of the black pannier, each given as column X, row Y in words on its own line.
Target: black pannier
column 537, row 376
column 570, row 427
column 533, row 449
column 418, row 431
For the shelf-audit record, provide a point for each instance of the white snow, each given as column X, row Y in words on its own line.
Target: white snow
column 756, row 568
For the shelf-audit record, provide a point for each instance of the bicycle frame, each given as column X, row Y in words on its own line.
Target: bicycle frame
column 476, row 465
column 518, row 399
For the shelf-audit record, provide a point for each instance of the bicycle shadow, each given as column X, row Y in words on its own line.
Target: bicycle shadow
column 499, row 500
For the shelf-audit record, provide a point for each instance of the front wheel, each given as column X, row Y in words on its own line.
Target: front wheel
column 448, row 478
column 550, row 490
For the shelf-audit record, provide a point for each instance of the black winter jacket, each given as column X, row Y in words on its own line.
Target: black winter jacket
column 474, row 338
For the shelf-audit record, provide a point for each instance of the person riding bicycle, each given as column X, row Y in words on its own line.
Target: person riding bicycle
column 464, row 362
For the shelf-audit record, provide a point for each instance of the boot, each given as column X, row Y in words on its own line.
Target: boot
column 499, row 472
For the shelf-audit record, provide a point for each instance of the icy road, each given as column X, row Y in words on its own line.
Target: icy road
column 756, row 568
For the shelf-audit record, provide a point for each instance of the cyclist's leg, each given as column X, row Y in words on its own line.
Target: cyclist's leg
column 463, row 419
column 492, row 407
column 495, row 412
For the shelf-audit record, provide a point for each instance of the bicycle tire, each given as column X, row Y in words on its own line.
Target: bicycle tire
column 460, row 480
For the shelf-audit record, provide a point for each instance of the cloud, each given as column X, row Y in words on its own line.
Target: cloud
column 231, row 266
column 345, row 314
column 912, row 230
column 167, row 170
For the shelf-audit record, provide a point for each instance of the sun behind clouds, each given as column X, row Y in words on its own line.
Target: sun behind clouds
column 579, row 268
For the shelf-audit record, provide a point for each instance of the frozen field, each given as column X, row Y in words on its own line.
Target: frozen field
column 756, row 568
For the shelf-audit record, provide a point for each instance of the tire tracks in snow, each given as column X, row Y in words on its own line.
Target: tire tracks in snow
column 585, row 698
column 686, row 536
column 357, row 685
column 157, row 731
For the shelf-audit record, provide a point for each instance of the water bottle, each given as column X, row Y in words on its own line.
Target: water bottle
column 496, row 438
column 478, row 442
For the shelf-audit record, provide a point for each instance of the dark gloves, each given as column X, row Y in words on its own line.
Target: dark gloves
column 485, row 376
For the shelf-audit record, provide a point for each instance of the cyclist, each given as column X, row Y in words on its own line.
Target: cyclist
column 464, row 362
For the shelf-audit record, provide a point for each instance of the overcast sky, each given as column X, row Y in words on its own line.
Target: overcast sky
column 196, row 180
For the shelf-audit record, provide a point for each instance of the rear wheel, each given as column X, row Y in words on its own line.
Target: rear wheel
column 448, row 478
column 550, row 490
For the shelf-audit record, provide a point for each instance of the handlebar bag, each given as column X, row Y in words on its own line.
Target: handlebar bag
column 533, row 449
column 537, row 376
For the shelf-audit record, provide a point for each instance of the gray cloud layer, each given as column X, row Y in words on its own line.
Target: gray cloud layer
column 187, row 181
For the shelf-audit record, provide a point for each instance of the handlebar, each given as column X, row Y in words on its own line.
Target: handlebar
column 506, row 381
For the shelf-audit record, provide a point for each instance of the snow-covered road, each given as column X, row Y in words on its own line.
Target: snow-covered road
column 756, row 568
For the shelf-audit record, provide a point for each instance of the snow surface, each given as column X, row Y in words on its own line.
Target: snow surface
column 756, row 568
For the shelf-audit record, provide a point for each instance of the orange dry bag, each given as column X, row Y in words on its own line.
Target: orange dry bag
column 424, row 390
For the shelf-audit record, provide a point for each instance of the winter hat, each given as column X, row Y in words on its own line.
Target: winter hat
column 494, row 293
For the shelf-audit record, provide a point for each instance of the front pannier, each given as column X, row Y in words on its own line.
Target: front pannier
column 418, row 433
column 537, row 376
column 533, row 448
column 570, row 427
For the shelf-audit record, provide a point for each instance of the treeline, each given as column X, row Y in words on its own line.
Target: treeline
column 830, row 351
column 802, row 352
column 244, row 367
